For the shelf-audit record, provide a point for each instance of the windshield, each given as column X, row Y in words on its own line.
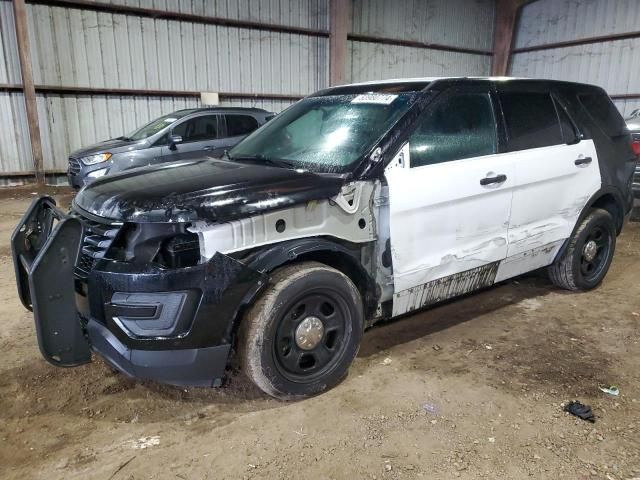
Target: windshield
column 156, row 125
column 324, row 134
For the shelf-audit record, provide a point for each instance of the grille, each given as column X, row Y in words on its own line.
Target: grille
column 95, row 243
column 74, row 166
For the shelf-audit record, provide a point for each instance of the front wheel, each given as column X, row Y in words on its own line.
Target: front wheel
column 301, row 336
column 586, row 261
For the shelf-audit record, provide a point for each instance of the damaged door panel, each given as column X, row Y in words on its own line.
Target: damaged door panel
column 450, row 201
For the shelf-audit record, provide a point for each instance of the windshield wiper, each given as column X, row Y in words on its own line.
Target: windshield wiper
column 259, row 158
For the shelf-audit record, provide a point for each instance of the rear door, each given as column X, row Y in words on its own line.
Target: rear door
column 555, row 174
column 450, row 199
column 201, row 137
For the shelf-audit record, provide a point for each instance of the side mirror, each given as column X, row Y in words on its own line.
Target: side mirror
column 174, row 140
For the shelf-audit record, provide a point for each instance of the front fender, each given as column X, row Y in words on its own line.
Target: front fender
column 334, row 254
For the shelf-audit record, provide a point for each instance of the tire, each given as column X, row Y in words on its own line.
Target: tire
column 569, row 270
column 302, row 334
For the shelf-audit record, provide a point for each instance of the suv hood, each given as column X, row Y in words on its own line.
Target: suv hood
column 213, row 190
column 114, row 145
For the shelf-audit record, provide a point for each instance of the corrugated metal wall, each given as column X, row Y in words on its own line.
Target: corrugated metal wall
column 15, row 148
column 73, row 47
column 456, row 23
column 614, row 65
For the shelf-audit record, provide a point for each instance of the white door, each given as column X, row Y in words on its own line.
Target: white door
column 450, row 200
column 555, row 175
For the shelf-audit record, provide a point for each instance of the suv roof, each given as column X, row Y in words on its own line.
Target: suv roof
column 215, row 109
column 419, row 83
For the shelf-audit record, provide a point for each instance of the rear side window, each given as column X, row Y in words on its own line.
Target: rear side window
column 240, row 125
column 531, row 120
column 197, row 129
column 460, row 126
column 604, row 113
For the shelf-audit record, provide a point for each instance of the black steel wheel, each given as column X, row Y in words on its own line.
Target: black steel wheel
column 595, row 252
column 310, row 337
column 301, row 336
column 588, row 255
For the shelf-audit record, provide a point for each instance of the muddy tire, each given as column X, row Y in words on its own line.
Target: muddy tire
column 302, row 334
column 587, row 258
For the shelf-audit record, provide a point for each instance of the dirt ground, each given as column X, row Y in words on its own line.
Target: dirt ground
column 470, row 389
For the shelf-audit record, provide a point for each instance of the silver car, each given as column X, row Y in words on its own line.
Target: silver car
column 181, row 135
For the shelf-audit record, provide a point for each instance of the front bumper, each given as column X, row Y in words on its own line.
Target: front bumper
column 201, row 367
column 80, row 175
column 170, row 325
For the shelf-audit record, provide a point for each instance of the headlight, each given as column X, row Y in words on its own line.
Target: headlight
column 93, row 159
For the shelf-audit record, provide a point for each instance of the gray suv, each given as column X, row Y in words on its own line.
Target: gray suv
column 185, row 134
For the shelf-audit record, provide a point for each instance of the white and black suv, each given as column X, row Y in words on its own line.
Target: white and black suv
column 357, row 204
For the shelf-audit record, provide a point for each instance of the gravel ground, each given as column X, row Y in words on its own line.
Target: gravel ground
column 470, row 389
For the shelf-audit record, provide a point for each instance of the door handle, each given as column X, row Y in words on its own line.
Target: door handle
column 583, row 161
column 489, row 180
column 208, row 148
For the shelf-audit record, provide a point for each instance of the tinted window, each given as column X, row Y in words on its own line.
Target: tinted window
column 204, row 127
column 531, row 120
column 604, row 113
column 461, row 126
column 240, row 125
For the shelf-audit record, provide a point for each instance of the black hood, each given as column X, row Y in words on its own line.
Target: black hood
column 213, row 190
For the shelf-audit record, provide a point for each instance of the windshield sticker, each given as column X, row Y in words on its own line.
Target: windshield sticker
column 379, row 98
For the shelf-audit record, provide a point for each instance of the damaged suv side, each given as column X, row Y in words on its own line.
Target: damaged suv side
column 357, row 204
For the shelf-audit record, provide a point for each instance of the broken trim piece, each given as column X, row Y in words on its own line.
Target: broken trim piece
column 444, row 288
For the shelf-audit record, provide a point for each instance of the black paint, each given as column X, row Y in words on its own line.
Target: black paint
column 212, row 190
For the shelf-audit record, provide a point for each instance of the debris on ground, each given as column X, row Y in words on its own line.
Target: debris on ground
column 437, row 347
column 429, row 408
column 612, row 390
column 580, row 410
column 145, row 442
column 387, row 361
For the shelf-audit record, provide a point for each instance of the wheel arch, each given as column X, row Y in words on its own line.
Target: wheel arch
column 607, row 198
column 326, row 251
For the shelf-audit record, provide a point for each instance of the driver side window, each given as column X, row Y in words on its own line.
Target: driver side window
column 457, row 127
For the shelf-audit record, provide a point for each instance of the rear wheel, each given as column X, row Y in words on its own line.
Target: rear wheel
column 301, row 336
column 588, row 256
